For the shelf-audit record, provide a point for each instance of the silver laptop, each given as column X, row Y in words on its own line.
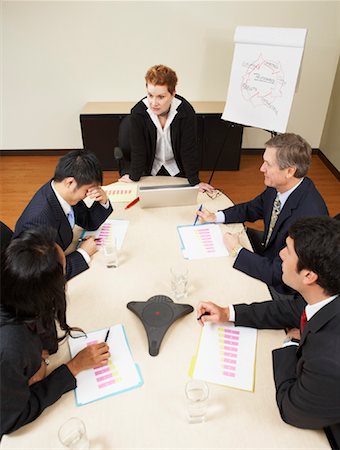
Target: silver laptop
column 168, row 195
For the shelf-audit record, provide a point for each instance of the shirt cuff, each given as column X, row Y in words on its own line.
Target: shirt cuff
column 289, row 344
column 85, row 255
column 231, row 313
column 220, row 217
column 106, row 205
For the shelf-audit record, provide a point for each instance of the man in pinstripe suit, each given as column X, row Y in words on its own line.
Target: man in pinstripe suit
column 59, row 204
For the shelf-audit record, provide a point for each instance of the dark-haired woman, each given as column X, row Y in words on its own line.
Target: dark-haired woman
column 32, row 299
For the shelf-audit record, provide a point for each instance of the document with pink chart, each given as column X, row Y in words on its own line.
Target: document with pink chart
column 111, row 227
column 201, row 241
column 119, row 375
column 226, row 355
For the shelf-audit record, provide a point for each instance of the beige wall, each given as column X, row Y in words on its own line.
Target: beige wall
column 330, row 141
column 59, row 55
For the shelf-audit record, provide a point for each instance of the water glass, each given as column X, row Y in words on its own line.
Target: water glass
column 110, row 251
column 197, row 394
column 179, row 281
column 72, row 434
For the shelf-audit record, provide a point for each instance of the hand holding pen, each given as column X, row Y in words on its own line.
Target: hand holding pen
column 205, row 216
column 209, row 312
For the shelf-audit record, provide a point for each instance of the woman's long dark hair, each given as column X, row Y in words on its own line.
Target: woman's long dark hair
column 32, row 279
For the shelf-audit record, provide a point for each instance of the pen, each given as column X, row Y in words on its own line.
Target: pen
column 199, row 209
column 107, row 335
column 132, row 203
column 85, row 239
column 204, row 314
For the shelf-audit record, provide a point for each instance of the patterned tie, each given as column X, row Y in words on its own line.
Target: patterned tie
column 275, row 215
column 70, row 217
column 303, row 321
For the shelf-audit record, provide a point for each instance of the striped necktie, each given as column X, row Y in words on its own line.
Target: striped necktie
column 70, row 218
column 275, row 214
column 303, row 321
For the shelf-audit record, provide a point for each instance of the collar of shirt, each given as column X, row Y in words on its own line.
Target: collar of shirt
column 313, row 309
column 173, row 111
column 63, row 203
column 284, row 196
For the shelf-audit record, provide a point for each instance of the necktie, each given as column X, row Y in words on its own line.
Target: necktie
column 70, row 217
column 303, row 321
column 275, row 215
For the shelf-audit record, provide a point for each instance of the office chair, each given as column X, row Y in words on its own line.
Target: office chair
column 5, row 236
column 122, row 153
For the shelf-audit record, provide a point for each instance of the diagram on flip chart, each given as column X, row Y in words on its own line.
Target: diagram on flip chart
column 264, row 75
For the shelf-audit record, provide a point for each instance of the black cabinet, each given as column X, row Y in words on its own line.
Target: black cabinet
column 215, row 136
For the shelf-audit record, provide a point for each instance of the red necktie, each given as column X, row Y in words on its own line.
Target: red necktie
column 303, row 321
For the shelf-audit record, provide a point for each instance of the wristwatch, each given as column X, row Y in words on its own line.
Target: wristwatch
column 235, row 250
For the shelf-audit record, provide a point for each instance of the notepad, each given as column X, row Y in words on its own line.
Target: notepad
column 201, row 241
column 121, row 192
column 111, row 227
column 119, row 375
column 226, row 355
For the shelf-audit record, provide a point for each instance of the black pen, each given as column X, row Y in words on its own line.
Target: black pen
column 85, row 239
column 107, row 335
column 204, row 314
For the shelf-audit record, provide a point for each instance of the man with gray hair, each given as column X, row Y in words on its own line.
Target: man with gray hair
column 289, row 195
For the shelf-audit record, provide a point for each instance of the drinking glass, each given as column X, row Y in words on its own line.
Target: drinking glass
column 179, row 281
column 72, row 434
column 197, row 394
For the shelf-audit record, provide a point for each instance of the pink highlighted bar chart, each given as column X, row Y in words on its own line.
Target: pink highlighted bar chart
column 121, row 193
column 205, row 238
column 106, row 375
column 228, row 343
column 226, row 356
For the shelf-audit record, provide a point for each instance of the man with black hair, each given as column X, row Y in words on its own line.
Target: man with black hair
column 59, row 204
column 307, row 367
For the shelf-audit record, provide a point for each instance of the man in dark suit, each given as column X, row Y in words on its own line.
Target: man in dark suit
column 59, row 204
column 307, row 367
column 289, row 196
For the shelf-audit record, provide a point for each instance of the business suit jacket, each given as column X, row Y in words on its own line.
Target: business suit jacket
column 305, row 201
column 143, row 139
column 307, row 378
column 20, row 359
column 45, row 210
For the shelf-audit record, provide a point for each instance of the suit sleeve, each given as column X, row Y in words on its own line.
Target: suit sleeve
column 75, row 264
column 139, row 147
column 248, row 211
column 260, row 267
column 278, row 314
column 91, row 218
column 188, row 147
column 20, row 403
column 310, row 399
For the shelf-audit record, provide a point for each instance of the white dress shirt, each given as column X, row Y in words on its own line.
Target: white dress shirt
column 67, row 208
column 164, row 155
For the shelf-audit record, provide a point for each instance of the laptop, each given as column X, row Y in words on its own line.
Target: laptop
column 168, row 195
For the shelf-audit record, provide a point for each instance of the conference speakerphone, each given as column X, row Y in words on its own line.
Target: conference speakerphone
column 157, row 315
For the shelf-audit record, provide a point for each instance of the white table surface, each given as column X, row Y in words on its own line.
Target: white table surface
column 153, row 416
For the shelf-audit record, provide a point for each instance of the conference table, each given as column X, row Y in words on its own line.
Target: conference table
column 153, row 416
